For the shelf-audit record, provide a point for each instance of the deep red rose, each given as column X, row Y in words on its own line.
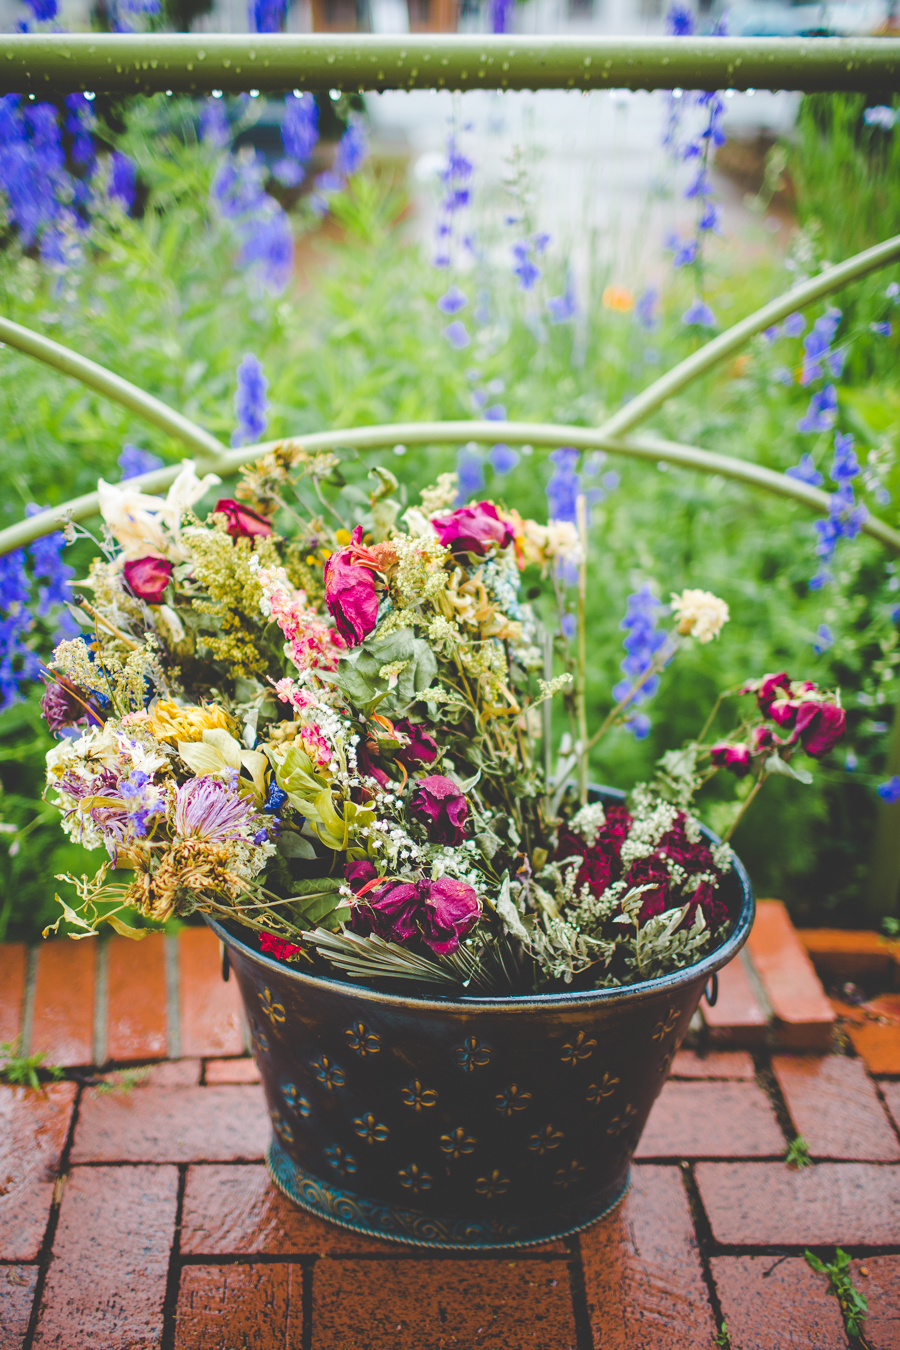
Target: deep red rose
column 597, row 870
column 441, row 807
column 715, row 911
column 473, row 529
column 819, row 727
column 390, row 912
column 350, row 591
column 367, row 767
column 421, row 748
column 449, row 912
column 761, row 738
column 569, row 844
column 650, row 871
column 278, row 947
column 692, row 857
column 734, row 757
column 613, row 831
column 242, row 522
column 356, row 874
column 767, row 689
column 147, row 578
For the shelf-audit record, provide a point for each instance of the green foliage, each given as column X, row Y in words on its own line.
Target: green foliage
column 723, row 1340
column 160, row 300
column 797, row 1155
column 853, row 1304
column 122, row 1081
column 24, row 1070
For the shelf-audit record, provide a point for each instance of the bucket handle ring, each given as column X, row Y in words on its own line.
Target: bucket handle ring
column 711, row 992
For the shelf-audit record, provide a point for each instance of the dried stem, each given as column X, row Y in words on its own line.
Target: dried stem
column 580, row 709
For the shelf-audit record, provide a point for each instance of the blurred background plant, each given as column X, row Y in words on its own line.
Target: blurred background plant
column 252, row 265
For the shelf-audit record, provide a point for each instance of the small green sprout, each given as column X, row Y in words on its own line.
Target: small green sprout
column 723, row 1340
column 797, row 1155
column 853, row 1304
column 24, row 1070
column 123, row 1080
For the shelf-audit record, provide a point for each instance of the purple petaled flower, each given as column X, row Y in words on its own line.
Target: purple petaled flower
column 134, row 461
column 562, row 308
column 793, row 325
column 501, row 12
column 816, row 346
column 122, row 180
column 48, row 564
column 880, row 116
column 441, row 807
column 452, row 301
column 288, row 172
column 824, row 639
column 457, row 335
column 470, row 470
column 564, row 485
column 33, row 175
column 783, row 376
column 80, row 124
column 208, row 808
column 679, row 21
column 350, row 592
column 266, row 16
column 700, row 314
column 268, row 248
column 44, row 11
column 237, row 188
column 890, row 791
column 882, row 329
column 642, row 641
column 495, row 413
column 822, row 411
column 805, row 472
column 639, row 725
column 503, row 458
column 844, row 465
column 645, row 309
column 251, row 407
column 353, row 148
column 524, row 266
column 735, row 757
column 214, row 126
column 300, row 126
column 61, row 708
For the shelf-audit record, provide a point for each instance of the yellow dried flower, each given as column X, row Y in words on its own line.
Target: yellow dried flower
column 168, row 721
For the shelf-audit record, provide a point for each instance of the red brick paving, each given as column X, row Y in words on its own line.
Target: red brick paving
column 136, row 993
column 106, row 1283
column 252, row 1306
column 246, row 1267
column 768, row 1204
column 714, row 1064
column 738, row 1016
column 428, row 1303
column 13, row 961
column 874, row 1032
column 881, row 1286
column 803, row 1016
column 33, row 1130
column 712, row 1120
column 63, row 1025
column 172, row 1124
column 835, row 1107
column 642, row 1271
column 769, row 1302
column 839, row 955
column 211, row 1015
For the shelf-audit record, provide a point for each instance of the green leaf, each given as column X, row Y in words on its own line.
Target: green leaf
column 774, row 764
column 291, row 844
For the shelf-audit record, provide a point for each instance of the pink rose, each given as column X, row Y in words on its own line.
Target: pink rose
column 451, row 909
column 242, row 522
column 473, row 529
column 767, row 689
column 733, row 757
column 819, row 726
column 420, row 748
column 441, row 807
column 350, row 592
column 147, row 578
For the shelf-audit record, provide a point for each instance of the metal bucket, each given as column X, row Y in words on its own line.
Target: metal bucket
column 465, row 1124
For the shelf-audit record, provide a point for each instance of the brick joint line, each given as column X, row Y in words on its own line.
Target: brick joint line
column 173, row 1277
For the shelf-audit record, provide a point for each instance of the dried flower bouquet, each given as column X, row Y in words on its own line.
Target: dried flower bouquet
column 338, row 736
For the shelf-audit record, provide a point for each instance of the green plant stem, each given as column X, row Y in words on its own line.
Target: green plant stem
column 656, row 665
column 52, row 64
column 745, row 807
column 580, row 709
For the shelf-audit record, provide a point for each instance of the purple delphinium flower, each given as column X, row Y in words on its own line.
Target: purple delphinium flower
column 251, row 407
column 18, row 664
column 145, row 801
column 501, row 12
column 43, row 11
column 700, row 314
column 503, row 458
column 564, row 485
column 684, row 251
column 793, row 325
column 679, row 21
column 237, row 188
column 524, row 266
column 645, row 309
column 33, row 175
column 457, row 334
column 495, row 413
column 845, row 514
column 805, row 472
column 452, row 301
column 268, row 249
column 215, row 129
column 844, row 465
column 822, row 411
column 79, row 124
column 816, row 345
column 456, row 177
column 353, row 148
column 824, row 639
column 882, row 329
column 642, row 641
column 46, row 553
column 890, row 791
column 300, row 126
column 266, row 16
column 880, row 116
column 562, row 308
column 122, row 178
column 134, row 461
column 470, row 469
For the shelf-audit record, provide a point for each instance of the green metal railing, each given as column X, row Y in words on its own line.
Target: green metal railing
column 55, row 64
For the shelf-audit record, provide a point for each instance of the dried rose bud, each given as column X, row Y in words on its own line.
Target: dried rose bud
column 734, row 757
column 473, row 529
column 147, row 578
column 451, row 909
column 442, row 808
column 242, row 521
column 350, row 591
column 421, row 748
